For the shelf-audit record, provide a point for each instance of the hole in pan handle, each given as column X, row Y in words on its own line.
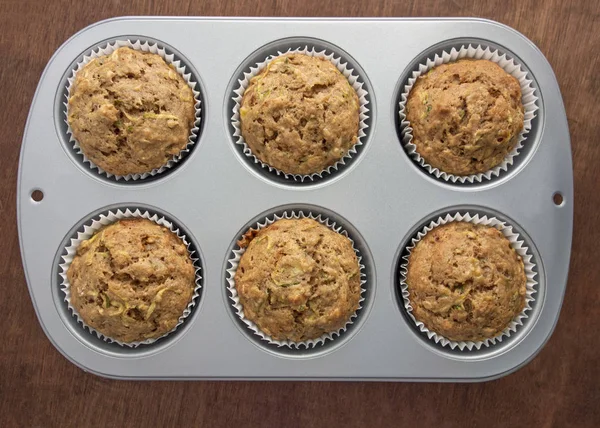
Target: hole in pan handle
column 558, row 199
column 37, row 195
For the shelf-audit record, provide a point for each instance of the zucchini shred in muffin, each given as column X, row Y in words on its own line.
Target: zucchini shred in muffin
column 300, row 114
column 130, row 111
column 466, row 282
column 298, row 280
column 466, row 116
column 132, row 280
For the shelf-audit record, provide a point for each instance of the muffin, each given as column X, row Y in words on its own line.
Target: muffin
column 132, row 280
column 466, row 116
column 130, row 111
column 466, row 282
column 300, row 114
column 298, row 280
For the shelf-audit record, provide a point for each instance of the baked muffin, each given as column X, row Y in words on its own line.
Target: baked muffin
column 300, row 114
column 466, row 282
column 466, row 116
column 130, row 111
column 298, row 279
column 132, row 280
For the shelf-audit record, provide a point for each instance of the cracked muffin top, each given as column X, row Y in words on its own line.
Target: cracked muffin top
column 132, row 280
column 466, row 116
column 297, row 279
column 300, row 114
column 466, row 282
column 130, row 111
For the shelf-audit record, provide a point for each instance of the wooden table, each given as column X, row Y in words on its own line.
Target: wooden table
column 559, row 388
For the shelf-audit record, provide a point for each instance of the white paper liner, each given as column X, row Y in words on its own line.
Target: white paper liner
column 353, row 79
column 97, row 223
column 528, row 98
column 143, row 46
column 233, row 294
column 516, row 242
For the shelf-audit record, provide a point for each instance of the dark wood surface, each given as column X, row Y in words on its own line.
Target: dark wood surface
column 559, row 388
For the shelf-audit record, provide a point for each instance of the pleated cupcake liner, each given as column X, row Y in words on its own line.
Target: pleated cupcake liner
column 169, row 58
column 510, row 66
column 516, row 242
column 96, row 224
column 349, row 73
column 233, row 294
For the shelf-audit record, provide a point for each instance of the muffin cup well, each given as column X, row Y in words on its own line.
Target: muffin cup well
column 353, row 79
column 93, row 226
column 169, row 58
column 516, row 242
column 510, row 66
column 233, row 294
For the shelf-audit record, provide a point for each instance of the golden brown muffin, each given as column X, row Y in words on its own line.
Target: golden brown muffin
column 466, row 116
column 300, row 114
column 466, row 282
column 130, row 111
column 298, row 279
column 132, row 280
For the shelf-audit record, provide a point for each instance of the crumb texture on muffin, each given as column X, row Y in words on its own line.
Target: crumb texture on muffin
column 132, row 280
column 466, row 282
column 466, row 116
column 298, row 280
column 130, row 111
column 300, row 114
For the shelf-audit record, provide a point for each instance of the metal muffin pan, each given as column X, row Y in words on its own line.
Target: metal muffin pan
column 381, row 198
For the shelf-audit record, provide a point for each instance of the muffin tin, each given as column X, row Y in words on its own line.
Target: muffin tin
column 380, row 197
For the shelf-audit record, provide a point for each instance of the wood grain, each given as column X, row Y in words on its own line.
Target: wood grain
column 560, row 388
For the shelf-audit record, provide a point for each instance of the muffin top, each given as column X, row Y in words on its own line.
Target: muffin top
column 300, row 114
column 466, row 116
column 130, row 111
column 298, row 279
column 466, row 282
column 132, row 280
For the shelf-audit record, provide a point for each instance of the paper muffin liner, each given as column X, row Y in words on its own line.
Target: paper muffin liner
column 509, row 65
column 233, row 294
column 93, row 226
column 143, row 46
column 343, row 67
column 516, row 242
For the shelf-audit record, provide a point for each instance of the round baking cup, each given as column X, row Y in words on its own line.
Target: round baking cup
column 516, row 242
column 176, row 64
column 93, row 226
column 353, row 78
column 233, row 262
column 509, row 65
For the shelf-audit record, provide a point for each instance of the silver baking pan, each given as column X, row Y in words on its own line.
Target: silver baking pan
column 381, row 197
